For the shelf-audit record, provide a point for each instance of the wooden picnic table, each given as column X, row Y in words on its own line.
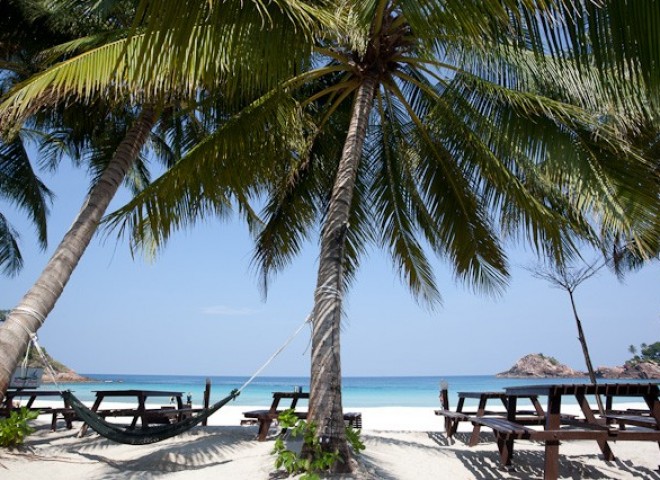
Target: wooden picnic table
column 453, row 418
column 587, row 428
column 146, row 416
column 66, row 412
column 265, row 418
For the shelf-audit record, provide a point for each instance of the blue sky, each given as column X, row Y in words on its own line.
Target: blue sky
column 197, row 309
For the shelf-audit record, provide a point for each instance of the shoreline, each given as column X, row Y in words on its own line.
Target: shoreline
column 402, row 443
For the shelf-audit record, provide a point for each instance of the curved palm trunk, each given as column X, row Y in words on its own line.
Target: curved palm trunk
column 325, row 405
column 31, row 312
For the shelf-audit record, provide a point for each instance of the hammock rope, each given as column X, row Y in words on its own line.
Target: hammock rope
column 147, row 435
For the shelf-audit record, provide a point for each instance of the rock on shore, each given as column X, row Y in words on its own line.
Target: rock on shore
column 641, row 370
column 537, row 365
column 66, row 377
column 540, row 366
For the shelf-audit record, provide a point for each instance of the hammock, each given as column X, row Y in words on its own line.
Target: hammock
column 145, row 435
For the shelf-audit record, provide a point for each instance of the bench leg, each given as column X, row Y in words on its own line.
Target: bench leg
column 474, row 439
column 264, row 426
column 586, row 409
column 448, row 426
column 551, row 467
column 453, row 426
column 505, row 447
column 68, row 420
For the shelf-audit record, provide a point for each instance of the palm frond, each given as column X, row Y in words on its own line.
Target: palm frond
column 11, row 260
column 465, row 236
column 20, row 185
column 236, row 157
column 395, row 214
column 241, row 37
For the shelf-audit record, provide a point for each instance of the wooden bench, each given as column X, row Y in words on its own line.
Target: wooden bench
column 453, row 418
column 265, row 418
column 512, row 430
column 635, row 420
column 506, row 431
column 170, row 414
column 67, row 414
column 156, row 416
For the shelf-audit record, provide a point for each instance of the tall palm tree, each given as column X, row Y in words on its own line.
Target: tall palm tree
column 108, row 72
column 39, row 26
column 425, row 125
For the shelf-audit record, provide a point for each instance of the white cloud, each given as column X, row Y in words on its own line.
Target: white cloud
column 225, row 311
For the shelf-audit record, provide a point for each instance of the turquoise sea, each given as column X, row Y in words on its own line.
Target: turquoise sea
column 357, row 391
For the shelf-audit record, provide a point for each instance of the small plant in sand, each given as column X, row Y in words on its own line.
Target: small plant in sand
column 15, row 428
column 315, row 460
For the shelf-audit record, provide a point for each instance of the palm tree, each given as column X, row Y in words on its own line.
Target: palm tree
column 37, row 27
column 424, row 119
column 108, row 72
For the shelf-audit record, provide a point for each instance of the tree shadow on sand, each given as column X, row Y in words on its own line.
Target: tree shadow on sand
column 194, row 451
column 529, row 464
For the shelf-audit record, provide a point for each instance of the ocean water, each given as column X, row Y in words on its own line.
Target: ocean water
column 358, row 392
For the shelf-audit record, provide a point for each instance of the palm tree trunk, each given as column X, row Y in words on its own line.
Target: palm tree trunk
column 31, row 312
column 325, row 406
column 585, row 352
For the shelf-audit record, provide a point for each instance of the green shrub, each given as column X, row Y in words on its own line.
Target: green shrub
column 552, row 360
column 649, row 353
column 15, row 428
column 317, row 460
column 353, row 436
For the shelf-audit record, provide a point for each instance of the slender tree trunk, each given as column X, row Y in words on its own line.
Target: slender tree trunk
column 325, row 406
column 31, row 312
column 585, row 351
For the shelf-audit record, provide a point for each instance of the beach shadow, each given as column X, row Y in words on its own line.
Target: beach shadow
column 461, row 437
column 372, row 468
column 202, row 449
column 636, row 471
column 529, row 464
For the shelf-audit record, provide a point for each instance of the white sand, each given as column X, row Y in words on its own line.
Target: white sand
column 402, row 443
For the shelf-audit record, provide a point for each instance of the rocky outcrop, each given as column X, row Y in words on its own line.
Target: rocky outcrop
column 539, row 366
column 640, row 370
column 66, row 377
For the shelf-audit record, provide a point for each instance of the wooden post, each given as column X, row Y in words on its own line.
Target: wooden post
column 207, row 399
column 444, row 395
column 444, row 402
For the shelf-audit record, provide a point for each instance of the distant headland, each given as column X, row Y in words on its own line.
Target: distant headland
column 63, row 373
column 537, row 365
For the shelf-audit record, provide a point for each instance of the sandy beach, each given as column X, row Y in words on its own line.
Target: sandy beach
column 402, row 444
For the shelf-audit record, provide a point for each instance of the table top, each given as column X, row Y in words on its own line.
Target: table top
column 617, row 389
column 482, row 394
column 137, row 393
column 291, row 394
column 33, row 393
